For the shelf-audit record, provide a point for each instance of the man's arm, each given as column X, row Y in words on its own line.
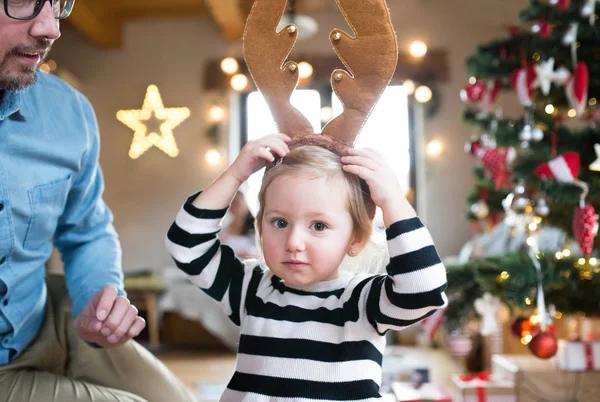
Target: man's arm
column 85, row 236
column 91, row 252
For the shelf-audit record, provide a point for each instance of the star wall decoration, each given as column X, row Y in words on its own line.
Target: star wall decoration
column 145, row 135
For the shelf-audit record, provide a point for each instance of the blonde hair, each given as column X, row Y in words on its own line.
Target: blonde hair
column 313, row 162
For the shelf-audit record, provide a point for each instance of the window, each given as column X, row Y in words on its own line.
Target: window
column 387, row 129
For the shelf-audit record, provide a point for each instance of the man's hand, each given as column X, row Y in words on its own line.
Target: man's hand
column 109, row 320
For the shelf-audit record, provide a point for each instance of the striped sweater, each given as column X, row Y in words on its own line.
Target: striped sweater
column 321, row 342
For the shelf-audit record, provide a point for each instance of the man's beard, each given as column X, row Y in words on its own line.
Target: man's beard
column 24, row 77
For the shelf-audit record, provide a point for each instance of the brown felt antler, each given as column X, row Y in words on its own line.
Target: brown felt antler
column 370, row 56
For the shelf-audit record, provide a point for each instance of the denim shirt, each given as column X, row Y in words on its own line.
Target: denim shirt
column 50, row 193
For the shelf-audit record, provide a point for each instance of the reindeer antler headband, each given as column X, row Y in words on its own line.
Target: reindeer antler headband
column 370, row 57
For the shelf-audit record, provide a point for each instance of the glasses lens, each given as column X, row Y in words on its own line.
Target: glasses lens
column 65, row 8
column 21, row 9
column 26, row 9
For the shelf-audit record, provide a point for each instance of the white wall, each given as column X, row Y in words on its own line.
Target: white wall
column 145, row 194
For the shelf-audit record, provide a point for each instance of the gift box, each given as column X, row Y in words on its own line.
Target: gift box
column 538, row 380
column 578, row 356
column 427, row 392
column 402, row 367
column 483, row 387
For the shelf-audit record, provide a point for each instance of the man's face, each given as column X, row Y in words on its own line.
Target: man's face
column 23, row 46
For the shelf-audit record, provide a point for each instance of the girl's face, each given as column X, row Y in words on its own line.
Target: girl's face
column 306, row 229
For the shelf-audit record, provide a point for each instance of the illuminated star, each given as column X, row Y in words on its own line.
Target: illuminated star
column 139, row 119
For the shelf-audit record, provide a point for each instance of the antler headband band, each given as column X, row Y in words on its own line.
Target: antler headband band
column 370, row 57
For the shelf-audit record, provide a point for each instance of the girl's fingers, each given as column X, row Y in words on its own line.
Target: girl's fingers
column 360, row 171
column 360, row 161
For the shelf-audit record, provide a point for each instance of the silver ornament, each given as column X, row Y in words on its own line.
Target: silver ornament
column 526, row 134
column 480, row 209
column 542, row 208
column 537, row 134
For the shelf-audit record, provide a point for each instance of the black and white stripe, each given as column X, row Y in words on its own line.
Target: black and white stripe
column 320, row 344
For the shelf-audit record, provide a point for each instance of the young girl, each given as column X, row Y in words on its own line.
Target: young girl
column 308, row 330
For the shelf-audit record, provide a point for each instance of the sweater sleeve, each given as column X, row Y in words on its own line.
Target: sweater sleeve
column 193, row 243
column 414, row 286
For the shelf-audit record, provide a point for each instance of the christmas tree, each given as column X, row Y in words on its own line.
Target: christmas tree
column 540, row 168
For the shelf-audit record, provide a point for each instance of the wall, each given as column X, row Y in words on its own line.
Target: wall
column 145, row 194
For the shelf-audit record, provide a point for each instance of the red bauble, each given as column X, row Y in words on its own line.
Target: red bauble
column 520, row 326
column 475, row 92
column 543, row 345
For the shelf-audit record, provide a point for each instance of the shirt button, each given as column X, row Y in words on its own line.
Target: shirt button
column 5, row 302
column 2, row 260
column 5, row 341
column 1, row 206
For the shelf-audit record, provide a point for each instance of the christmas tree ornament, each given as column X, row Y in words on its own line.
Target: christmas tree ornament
column 520, row 327
column 522, row 81
column 495, row 161
column 487, row 307
column 542, row 28
column 480, row 210
column 544, row 345
column 585, row 227
column 537, row 134
column 589, row 10
column 541, row 208
column 546, row 76
column 473, row 93
column 576, row 88
column 595, row 166
column 562, row 5
column 526, row 134
column 570, row 36
column 564, row 169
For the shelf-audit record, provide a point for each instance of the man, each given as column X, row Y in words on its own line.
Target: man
column 51, row 191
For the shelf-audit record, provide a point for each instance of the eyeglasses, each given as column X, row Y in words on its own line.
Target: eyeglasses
column 29, row 9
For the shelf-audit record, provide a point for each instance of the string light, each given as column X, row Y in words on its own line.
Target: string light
column 418, row 49
column 559, row 255
column 526, row 339
column 549, row 109
column 572, row 113
column 581, row 261
column 169, row 118
column 528, row 301
column 305, row 70
column 216, row 114
column 423, row 94
column 213, row 157
column 239, row 82
column 566, row 252
column 229, row 65
column 434, row 148
column 409, row 85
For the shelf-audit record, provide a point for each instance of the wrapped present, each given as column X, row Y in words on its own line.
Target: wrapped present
column 403, row 367
column 427, row 392
column 578, row 356
column 482, row 387
column 538, row 380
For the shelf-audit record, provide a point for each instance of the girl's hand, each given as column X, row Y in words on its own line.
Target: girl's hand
column 255, row 155
column 383, row 184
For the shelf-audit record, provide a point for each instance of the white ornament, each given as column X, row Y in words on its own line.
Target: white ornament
column 589, row 10
column 526, row 134
column 480, row 209
column 537, row 134
column 546, row 76
column 571, row 35
column 595, row 166
column 487, row 307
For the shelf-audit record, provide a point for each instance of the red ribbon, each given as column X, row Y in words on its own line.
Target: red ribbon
column 589, row 356
column 481, row 377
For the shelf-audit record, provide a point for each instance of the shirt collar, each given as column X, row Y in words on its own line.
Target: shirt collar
column 11, row 103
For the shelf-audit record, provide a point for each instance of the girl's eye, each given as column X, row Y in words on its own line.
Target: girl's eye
column 279, row 223
column 319, row 226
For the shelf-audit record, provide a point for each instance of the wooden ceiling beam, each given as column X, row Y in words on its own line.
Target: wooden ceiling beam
column 96, row 25
column 229, row 16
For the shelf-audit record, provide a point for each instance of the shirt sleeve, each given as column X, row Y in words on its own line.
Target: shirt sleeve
column 193, row 243
column 414, row 286
column 85, row 235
